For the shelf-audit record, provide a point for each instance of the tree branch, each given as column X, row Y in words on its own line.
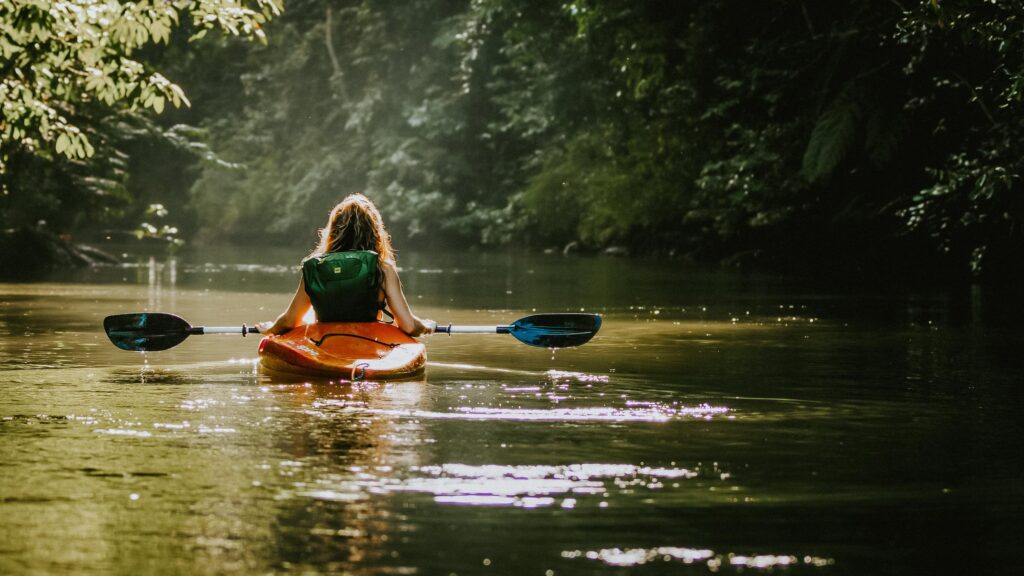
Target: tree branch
column 338, row 76
column 977, row 97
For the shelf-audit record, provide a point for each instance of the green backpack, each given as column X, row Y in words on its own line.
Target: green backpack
column 344, row 286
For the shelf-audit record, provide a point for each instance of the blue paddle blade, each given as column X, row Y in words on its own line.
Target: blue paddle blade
column 146, row 331
column 556, row 330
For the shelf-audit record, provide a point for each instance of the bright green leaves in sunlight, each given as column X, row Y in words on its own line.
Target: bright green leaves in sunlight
column 74, row 144
column 165, row 232
column 60, row 56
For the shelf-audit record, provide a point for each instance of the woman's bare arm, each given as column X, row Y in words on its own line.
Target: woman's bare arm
column 404, row 318
column 292, row 316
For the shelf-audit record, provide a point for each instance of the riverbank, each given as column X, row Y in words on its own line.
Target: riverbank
column 32, row 253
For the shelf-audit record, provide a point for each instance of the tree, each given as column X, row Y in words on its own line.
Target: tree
column 967, row 64
column 768, row 132
column 62, row 58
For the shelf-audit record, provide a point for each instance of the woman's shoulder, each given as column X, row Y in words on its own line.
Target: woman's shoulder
column 388, row 266
column 314, row 255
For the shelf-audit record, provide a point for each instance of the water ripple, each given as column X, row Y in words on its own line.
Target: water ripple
column 525, row 486
column 715, row 562
column 647, row 413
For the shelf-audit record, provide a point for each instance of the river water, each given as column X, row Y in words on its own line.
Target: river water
column 719, row 423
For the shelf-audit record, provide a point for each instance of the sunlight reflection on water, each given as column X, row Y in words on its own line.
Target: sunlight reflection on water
column 715, row 562
column 660, row 413
column 526, row 486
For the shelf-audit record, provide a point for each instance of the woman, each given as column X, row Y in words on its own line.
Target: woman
column 351, row 276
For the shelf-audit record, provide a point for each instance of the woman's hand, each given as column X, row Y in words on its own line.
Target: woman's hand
column 404, row 318
column 265, row 327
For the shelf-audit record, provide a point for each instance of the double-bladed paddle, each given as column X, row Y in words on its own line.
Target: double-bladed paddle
column 153, row 331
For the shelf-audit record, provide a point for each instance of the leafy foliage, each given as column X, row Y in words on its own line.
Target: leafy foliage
column 67, row 63
column 970, row 66
column 834, row 136
column 798, row 134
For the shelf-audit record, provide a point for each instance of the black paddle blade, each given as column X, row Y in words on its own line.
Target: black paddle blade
column 146, row 331
column 556, row 330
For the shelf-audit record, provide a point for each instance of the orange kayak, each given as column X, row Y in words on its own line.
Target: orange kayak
column 348, row 350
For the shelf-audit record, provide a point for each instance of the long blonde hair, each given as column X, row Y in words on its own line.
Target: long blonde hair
column 355, row 224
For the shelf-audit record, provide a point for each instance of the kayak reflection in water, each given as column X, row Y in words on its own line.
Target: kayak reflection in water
column 351, row 275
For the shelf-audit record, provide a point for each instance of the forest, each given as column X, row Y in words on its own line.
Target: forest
column 879, row 138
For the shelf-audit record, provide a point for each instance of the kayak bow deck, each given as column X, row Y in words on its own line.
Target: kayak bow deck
column 351, row 350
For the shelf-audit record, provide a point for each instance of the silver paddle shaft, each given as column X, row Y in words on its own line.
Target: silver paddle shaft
column 451, row 329
column 243, row 330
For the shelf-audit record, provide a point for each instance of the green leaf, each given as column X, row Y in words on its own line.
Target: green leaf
column 883, row 138
column 834, row 135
